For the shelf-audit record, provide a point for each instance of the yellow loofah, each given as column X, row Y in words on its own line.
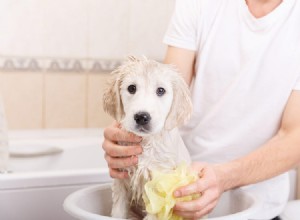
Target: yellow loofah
column 158, row 196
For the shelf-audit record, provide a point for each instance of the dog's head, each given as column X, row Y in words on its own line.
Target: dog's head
column 146, row 96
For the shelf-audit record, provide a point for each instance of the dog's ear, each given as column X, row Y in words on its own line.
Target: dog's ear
column 181, row 108
column 112, row 102
column 135, row 59
column 132, row 58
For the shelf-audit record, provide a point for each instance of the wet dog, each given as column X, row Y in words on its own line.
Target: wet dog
column 151, row 100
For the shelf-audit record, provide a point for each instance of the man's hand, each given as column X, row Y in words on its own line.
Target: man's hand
column 209, row 186
column 119, row 157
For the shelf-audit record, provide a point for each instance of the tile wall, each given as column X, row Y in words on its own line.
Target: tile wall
column 55, row 55
column 54, row 100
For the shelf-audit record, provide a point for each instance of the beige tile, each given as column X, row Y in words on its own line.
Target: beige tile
column 96, row 116
column 65, row 100
column 23, row 99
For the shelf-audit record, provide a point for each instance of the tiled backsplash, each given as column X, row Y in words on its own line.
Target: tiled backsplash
column 55, row 55
column 39, row 64
column 53, row 99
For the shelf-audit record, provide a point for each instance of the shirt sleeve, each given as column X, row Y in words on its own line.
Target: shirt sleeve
column 184, row 25
column 297, row 85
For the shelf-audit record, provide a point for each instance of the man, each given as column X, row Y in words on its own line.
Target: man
column 241, row 59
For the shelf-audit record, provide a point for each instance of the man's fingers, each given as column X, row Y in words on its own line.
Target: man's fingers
column 116, row 150
column 198, row 187
column 117, row 156
column 207, row 185
column 196, row 214
column 197, row 204
column 116, row 173
column 121, row 162
column 205, row 211
column 115, row 134
column 185, row 215
column 199, row 168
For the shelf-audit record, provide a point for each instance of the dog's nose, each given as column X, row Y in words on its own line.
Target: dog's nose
column 142, row 118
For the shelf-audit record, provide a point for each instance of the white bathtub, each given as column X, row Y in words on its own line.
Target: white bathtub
column 37, row 186
column 38, row 183
column 94, row 203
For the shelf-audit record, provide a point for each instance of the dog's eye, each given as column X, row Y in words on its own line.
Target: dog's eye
column 131, row 89
column 160, row 91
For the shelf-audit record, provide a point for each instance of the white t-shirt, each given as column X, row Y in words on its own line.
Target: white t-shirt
column 246, row 69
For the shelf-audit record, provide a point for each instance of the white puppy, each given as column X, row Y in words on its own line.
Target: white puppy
column 149, row 99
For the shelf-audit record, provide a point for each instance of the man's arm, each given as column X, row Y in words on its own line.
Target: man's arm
column 277, row 156
column 184, row 61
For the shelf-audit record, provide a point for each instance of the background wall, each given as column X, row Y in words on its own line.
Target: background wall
column 55, row 55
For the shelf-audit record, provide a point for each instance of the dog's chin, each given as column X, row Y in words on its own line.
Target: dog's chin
column 145, row 131
column 142, row 130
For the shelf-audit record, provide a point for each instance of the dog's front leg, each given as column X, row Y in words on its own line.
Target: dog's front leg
column 120, row 206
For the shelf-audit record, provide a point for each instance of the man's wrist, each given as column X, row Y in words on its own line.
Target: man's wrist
column 228, row 175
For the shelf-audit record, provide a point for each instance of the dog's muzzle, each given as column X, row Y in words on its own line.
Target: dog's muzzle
column 142, row 118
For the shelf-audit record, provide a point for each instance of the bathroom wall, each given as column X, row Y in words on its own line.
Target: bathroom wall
column 55, row 55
